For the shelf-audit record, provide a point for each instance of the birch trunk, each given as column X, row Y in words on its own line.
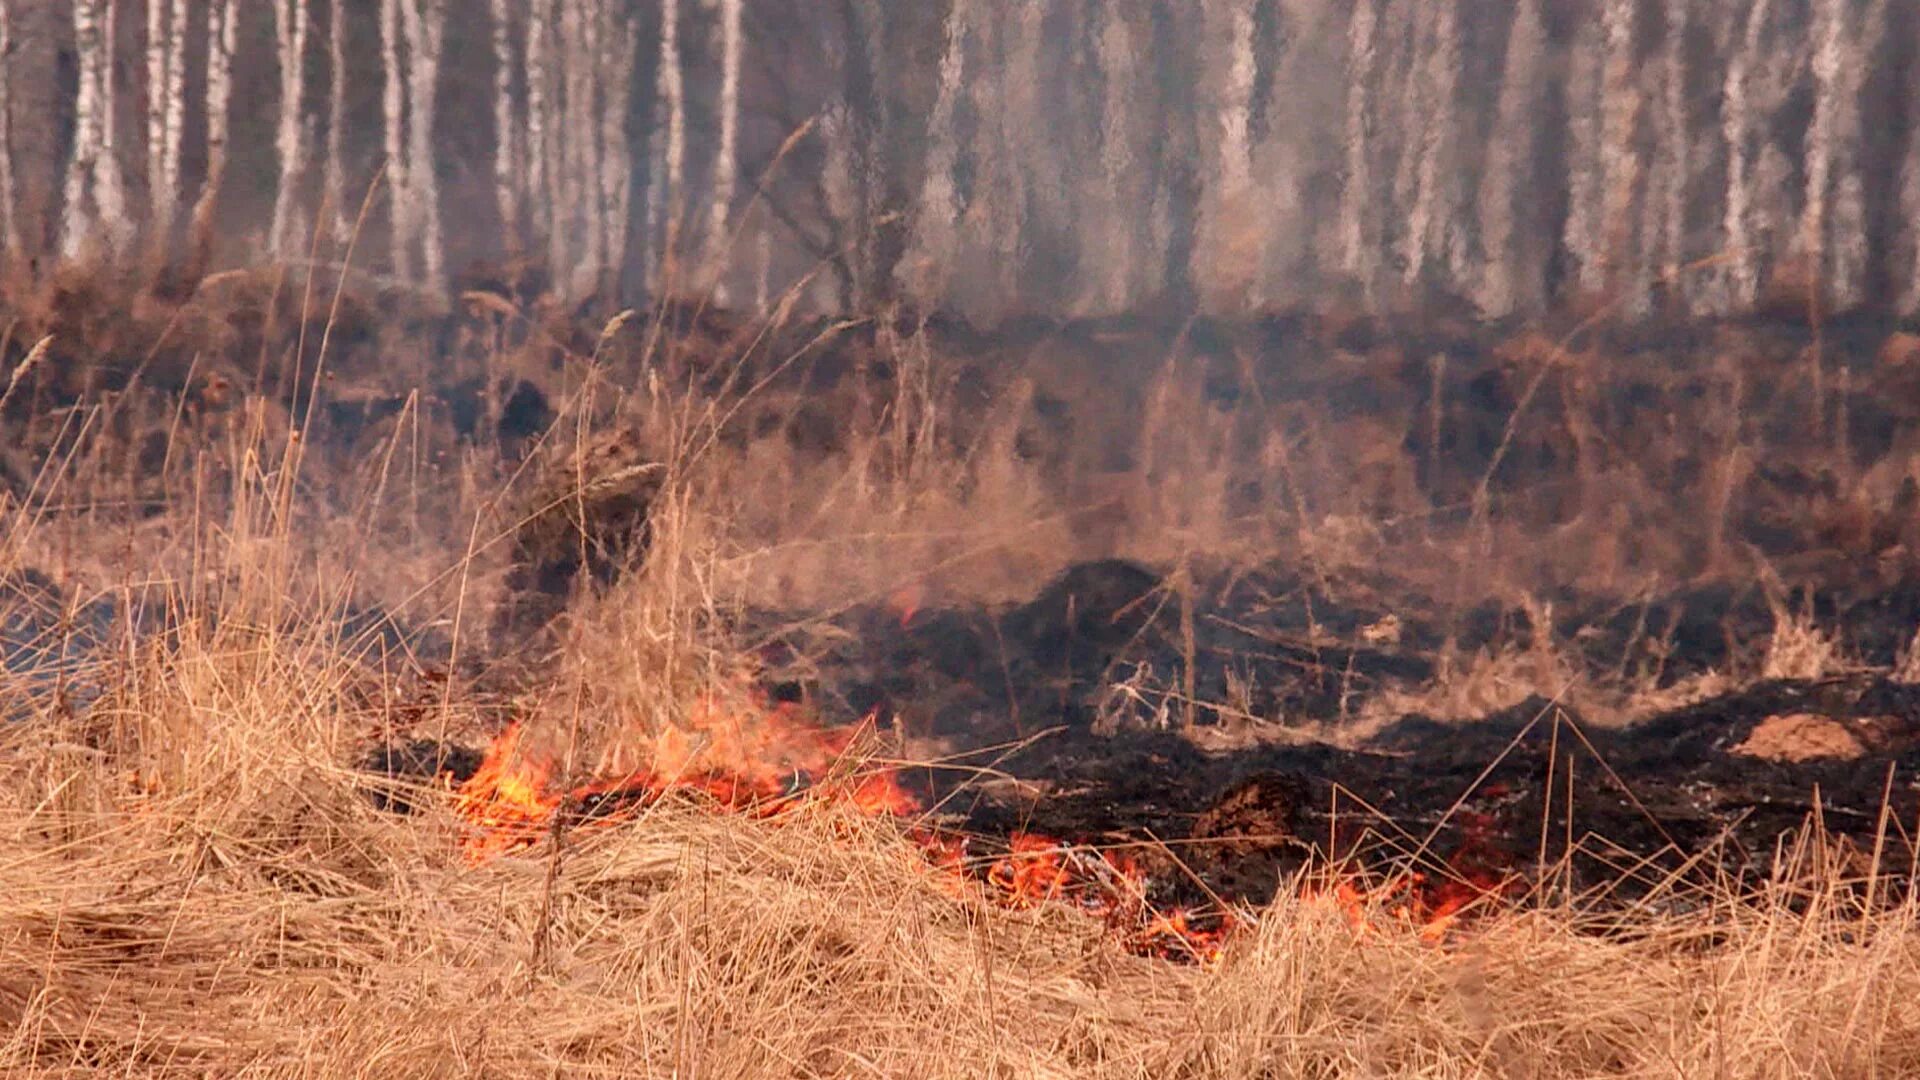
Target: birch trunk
column 622, row 45
column 393, row 102
column 1737, row 127
column 506, row 134
column 725, row 162
column 539, row 119
column 333, row 186
column 290, row 22
column 1509, row 275
column 1359, row 246
column 933, row 239
column 92, row 199
column 426, row 22
column 9, row 221
column 223, row 17
column 665, row 202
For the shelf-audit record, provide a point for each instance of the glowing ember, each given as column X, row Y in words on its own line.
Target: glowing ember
column 767, row 760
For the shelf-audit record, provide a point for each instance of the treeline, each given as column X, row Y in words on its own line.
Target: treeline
column 990, row 156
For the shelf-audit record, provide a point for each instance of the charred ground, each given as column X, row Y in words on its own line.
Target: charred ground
column 1244, row 590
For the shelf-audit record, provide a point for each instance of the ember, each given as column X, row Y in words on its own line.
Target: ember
column 772, row 760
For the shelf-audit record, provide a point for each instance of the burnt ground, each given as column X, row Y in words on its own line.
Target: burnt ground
column 1121, row 702
column 1024, row 700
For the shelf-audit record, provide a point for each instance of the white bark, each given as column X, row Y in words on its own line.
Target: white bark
column 1585, row 226
column 506, row 132
column 1738, row 124
column 158, row 50
column 166, row 112
column 674, row 135
column 570, row 244
column 95, row 206
column 1118, row 162
column 1359, row 246
column 1433, row 222
column 334, row 184
column 426, row 22
column 1510, row 258
column 666, row 153
column 934, row 221
column 9, row 222
column 621, row 46
column 1619, row 156
column 1831, row 232
column 393, row 106
column 290, row 23
column 539, row 134
column 1236, row 111
column 726, row 161
column 223, row 18
column 1663, row 247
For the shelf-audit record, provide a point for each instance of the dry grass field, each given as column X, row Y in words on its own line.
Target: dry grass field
column 246, row 538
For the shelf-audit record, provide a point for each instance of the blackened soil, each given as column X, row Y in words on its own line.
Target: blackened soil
column 1033, row 690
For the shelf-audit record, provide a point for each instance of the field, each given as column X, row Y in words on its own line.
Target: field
column 514, row 691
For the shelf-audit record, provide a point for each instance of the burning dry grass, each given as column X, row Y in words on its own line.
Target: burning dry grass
column 194, row 885
column 193, row 881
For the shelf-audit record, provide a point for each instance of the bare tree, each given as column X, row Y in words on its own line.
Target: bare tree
column 95, row 198
column 1744, row 38
column 1510, row 251
column 290, row 23
column 619, row 40
column 507, row 152
column 166, row 113
column 1664, row 222
column 9, row 223
column 725, row 161
column 1359, row 246
column 934, row 222
column 333, row 194
column 1619, row 154
column 667, row 146
column 540, row 132
column 393, row 101
column 223, row 18
column 426, row 22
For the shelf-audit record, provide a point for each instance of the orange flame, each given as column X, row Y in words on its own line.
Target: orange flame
column 771, row 759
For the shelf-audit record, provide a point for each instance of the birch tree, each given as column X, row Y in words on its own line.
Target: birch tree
column 1359, row 244
column 223, row 17
column 166, row 113
column 507, row 151
column 95, row 201
column 619, row 46
column 668, row 147
column 1617, row 266
column 1509, row 274
column 1664, row 219
column 393, row 101
column 333, row 194
column 726, row 156
column 290, row 23
column 934, row 222
column 1830, row 236
column 426, row 22
column 9, row 200
column 1739, row 125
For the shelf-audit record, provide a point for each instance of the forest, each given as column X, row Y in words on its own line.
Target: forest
column 991, row 158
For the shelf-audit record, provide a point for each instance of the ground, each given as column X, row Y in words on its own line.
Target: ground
column 490, row 691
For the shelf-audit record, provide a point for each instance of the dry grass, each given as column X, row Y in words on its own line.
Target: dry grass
column 194, row 885
column 193, row 880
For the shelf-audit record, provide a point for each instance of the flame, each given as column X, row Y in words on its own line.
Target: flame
column 769, row 759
